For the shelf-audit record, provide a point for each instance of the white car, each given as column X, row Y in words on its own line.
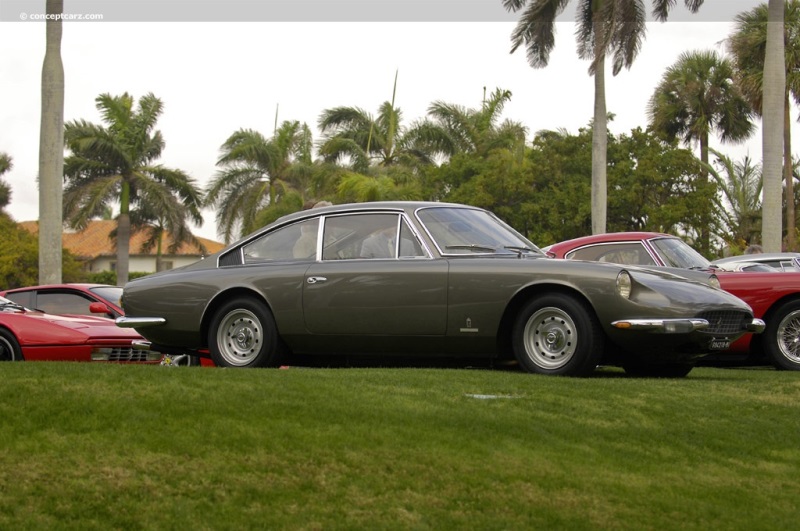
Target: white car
column 760, row 262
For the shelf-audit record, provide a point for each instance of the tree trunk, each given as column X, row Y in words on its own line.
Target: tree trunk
column 51, row 151
column 705, row 232
column 599, row 140
column 791, row 221
column 123, row 235
column 159, row 256
column 772, row 128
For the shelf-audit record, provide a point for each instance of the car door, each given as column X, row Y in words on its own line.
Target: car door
column 354, row 290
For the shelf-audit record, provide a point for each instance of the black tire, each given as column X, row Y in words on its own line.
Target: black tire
column 557, row 334
column 9, row 347
column 781, row 337
column 658, row 370
column 243, row 334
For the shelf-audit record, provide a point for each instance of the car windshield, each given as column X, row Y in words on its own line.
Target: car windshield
column 6, row 304
column 677, row 253
column 468, row 231
column 112, row 294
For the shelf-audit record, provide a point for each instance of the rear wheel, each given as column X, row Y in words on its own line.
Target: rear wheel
column 781, row 337
column 9, row 347
column 243, row 334
column 559, row 335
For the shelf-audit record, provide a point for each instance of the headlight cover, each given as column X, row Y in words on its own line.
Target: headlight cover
column 624, row 284
column 713, row 281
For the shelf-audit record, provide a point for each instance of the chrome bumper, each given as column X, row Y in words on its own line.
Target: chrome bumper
column 139, row 322
column 678, row 326
column 664, row 326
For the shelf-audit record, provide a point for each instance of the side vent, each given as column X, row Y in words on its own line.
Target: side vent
column 231, row 258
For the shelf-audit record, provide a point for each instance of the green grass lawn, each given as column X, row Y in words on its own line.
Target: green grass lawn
column 88, row 446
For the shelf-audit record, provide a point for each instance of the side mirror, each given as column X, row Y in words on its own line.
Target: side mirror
column 99, row 307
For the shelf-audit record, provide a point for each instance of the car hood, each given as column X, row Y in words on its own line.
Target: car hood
column 44, row 327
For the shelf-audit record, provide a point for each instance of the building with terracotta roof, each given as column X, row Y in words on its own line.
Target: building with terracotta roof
column 97, row 250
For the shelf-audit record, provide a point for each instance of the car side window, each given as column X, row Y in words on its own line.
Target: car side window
column 409, row 244
column 59, row 303
column 294, row 242
column 626, row 253
column 370, row 236
column 23, row 298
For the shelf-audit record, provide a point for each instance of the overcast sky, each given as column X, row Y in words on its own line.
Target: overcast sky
column 296, row 58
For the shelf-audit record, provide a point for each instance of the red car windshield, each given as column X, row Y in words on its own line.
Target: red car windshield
column 677, row 253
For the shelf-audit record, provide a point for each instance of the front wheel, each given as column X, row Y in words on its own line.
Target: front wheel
column 9, row 347
column 782, row 337
column 558, row 335
column 243, row 334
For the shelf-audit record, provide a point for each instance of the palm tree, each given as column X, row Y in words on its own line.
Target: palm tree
column 452, row 129
column 163, row 212
column 115, row 163
column 748, row 46
column 613, row 27
column 356, row 137
column 51, row 150
column 256, row 172
column 697, row 96
column 739, row 204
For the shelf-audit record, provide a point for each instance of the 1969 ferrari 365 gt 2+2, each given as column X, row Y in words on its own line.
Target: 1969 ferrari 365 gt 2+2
column 427, row 279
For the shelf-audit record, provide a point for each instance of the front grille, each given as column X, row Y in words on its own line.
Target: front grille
column 725, row 322
column 127, row 354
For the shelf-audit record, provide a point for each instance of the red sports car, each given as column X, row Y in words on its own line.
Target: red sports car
column 773, row 296
column 74, row 299
column 84, row 299
column 37, row 336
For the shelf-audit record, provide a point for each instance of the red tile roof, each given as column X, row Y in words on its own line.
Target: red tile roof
column 94, row 241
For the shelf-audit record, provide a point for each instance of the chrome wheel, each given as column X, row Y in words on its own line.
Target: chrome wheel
column 789, row 337
column 550, row 338
column 240, row 337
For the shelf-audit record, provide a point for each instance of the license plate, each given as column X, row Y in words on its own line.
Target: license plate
column 720, row 344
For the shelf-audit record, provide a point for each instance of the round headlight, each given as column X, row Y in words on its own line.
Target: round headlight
column 624, row 284
column 713, row 281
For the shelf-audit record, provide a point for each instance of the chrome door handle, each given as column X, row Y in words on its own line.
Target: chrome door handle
column 314, row 280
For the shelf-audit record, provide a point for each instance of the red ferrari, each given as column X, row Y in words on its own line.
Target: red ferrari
column 773, row 296
column 37, row 336
column 74, row 299
column 85, row 299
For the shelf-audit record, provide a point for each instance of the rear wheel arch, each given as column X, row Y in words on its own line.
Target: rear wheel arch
column 242, row 333
column 222, row 298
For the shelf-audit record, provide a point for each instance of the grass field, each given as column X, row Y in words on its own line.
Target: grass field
column 87, row 446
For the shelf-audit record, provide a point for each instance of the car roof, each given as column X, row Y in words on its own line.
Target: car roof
column 369, row 206
column 609, row 237
column 77, row 285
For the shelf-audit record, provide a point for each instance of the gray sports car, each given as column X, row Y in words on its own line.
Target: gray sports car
column 427, row 279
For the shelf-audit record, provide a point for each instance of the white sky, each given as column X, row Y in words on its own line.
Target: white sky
column 217, row 77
